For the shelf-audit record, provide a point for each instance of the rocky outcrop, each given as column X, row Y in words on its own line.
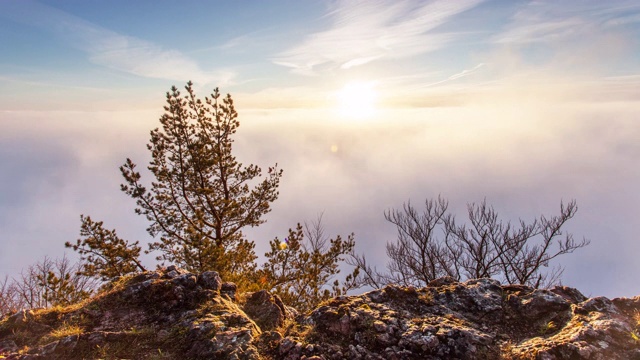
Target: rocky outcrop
column 164, row 314
column 174, row 314
column 478, row 319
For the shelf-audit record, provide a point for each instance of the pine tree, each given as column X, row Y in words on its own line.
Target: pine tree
column 103, row 253
column 300, row 269
column 201, row 198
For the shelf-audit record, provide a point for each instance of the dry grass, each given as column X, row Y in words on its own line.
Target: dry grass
column 66, row 330
column 57, row 310
column 547, row 328
column 61, row 333
column 291, row 328
column 635, row 335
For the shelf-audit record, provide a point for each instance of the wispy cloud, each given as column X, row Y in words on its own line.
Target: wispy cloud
column 365, row 31
column 111, row 49
column 463, row 73
column 542, row 21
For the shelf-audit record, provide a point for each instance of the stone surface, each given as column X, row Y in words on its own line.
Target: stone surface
column 478, row 319
column 210, row 280
column 173, row 314
column 266, row 310
column 164, row 314
column 229, row 289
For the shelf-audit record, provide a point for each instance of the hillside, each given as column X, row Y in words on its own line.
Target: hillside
column 173, row 314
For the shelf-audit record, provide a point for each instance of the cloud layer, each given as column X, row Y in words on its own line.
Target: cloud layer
column 524, row 158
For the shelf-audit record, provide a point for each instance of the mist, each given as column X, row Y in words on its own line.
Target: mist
column 524, row 159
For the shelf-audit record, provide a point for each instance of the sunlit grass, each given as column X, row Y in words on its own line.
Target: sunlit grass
column 66, row 330
column 62, row 332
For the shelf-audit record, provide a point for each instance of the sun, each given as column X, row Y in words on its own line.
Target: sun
column 357, row 99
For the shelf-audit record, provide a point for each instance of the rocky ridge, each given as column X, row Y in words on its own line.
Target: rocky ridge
column 174, row 314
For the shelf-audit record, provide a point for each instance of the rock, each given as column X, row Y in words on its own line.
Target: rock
column 478, row 319
column 162, row 313
column 210, row 280
column 171, row 313
column 229, row 289
column 541, row 304
column 446, row 280
column 172, row 271
column 266, row 310
column 185, row 280
column 286, row 345
column 628, row 305
column 21, row 317
column 571, row 295
column 8, row 347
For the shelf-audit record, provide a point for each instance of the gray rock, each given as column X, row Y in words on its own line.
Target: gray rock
column 210, row 280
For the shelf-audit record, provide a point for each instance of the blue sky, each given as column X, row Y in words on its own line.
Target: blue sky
column 524, row 103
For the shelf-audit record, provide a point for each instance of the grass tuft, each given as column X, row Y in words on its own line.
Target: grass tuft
column 62, row 332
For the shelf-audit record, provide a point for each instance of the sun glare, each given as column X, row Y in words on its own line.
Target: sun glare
column 357, row 100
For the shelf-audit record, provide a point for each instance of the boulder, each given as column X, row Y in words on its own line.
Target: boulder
column 267, row 310
column 210, row 280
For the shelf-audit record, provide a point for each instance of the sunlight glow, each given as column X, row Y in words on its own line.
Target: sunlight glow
column 357, row 100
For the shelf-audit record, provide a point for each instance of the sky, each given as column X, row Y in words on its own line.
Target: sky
column 365, row 105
